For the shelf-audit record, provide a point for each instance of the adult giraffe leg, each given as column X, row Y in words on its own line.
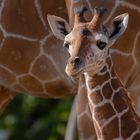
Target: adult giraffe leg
column 6, row 96
column 84, row 119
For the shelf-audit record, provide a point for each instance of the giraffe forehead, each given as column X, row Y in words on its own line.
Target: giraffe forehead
column 73, row 36
column 96, row 35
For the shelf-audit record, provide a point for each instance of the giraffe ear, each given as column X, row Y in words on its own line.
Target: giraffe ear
column 59, row 26
column 118, row 26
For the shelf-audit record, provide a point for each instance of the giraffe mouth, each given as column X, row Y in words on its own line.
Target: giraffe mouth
column 77, row 74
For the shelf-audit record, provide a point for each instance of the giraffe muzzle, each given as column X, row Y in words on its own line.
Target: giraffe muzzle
column 75, row 62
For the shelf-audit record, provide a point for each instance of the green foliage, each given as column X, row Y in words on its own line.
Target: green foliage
column 30, row 118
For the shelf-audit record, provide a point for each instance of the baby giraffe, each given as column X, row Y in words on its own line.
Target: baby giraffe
column 88, row 44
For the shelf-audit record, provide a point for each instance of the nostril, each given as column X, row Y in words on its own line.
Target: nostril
column 77, row 61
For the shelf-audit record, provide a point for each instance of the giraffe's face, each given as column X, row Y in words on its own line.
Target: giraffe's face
column 87, row 45
column 87, row 49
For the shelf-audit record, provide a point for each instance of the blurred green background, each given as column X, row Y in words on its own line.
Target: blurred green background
column 31, row 118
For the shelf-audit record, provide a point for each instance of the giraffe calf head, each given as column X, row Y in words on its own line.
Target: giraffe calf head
column 87, row 42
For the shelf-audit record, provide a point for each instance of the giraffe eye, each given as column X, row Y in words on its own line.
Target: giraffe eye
column 66, row 45
column 101, row 45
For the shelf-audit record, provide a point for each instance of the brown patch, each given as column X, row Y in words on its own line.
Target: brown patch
column 53, row 47
column 122, row 65
column 96, row 97
column 100, row 79
column 107, row 91
column 17, row 54
column 136, row 2
column 136, row 137
column 128, row 124
column 133, row 82
column 54, row 8
column 109, row 4
column 104, row 69
column 86, row 126
column 1, row 36
column 44, row 69
column 111, row 130
column 6, row 77
column 6, row 97
column 115, row 84
column 108, row 61
column 103, row 113
column 119, row 102
column 16, row 18
column 58, row 88
column 32, row 84
column 113, row 73
column 18, row 88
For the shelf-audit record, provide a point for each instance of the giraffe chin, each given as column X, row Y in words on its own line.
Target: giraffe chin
column 77, row 74
column 74, row 74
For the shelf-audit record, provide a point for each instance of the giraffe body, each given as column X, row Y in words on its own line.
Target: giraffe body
column 26, row 62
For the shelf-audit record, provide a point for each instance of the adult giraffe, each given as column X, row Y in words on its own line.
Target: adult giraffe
column 30, row 60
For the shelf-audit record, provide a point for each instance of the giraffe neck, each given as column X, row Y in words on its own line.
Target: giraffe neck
column 112, row 111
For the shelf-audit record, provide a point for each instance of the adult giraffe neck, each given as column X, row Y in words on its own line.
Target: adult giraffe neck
column 112, row 110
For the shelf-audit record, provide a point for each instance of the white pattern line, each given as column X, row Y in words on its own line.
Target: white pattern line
column 112, row 12
column 38, row 8
column 129, row 5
